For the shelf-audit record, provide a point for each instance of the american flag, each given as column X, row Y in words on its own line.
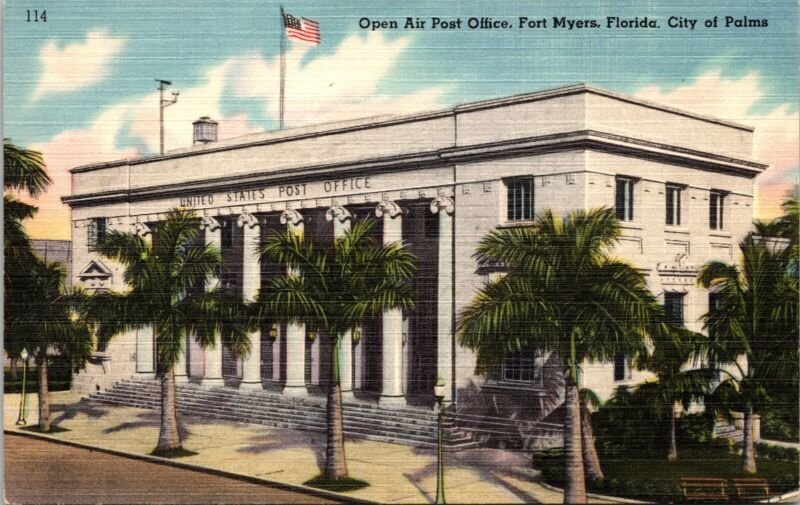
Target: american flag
column 303, row 29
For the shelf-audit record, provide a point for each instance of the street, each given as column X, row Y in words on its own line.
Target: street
column 38, row 471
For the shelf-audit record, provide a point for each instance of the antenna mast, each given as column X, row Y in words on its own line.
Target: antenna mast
column 163, row 104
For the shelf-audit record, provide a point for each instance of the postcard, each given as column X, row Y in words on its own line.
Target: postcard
column 400, row 252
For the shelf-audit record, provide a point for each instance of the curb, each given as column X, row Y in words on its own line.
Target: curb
column 338, row 497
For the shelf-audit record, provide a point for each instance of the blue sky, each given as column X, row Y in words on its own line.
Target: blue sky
column 76, row 86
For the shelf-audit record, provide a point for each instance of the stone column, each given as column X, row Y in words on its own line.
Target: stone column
column 444, row 206
column 295, row 333
column 251, row 283
column 392, row 385
column 213, row 356
column 145, row 339
column 341, row 218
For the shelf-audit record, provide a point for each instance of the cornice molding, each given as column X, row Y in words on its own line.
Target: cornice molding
column 367, row 123
column 582, row 139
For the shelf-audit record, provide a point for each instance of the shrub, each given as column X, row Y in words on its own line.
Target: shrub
column 551, row 464
column 624, row 425
column 777, row 426
column 695, row 428
column 777, row 453
column 59, row 377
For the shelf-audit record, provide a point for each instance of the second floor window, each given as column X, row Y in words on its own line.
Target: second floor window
column 520, row 200
column 673, row 306
column 673, row 205
column 716, row 206
column 98, row 227
column 624, row 199
column 519, row 366
column 621, row 369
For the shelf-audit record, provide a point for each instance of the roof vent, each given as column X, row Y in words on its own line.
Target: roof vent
column 205, row 130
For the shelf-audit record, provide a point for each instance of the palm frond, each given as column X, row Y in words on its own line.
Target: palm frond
column 24, row 169
column 507, row 315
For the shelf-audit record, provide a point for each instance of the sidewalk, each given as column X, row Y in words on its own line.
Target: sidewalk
column 396, row 473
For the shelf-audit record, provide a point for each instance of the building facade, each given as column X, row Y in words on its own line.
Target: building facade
column 682, row 186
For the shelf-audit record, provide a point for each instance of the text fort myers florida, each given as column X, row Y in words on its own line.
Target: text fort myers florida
column 559, row 22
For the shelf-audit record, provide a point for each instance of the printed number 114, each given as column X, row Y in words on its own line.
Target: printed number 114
column 36, row 17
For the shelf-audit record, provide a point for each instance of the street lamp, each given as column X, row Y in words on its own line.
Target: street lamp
column 439, row 391
column 22, row 404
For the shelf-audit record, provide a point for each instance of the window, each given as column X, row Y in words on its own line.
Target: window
column 716, row 206
column 624, row 199
column 673, row 306
column 673, row 205
column 519, row 366
column 620, row 367
column 97, row 231
column 520, row 200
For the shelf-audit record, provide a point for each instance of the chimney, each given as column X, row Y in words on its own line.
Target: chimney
column 205, row 130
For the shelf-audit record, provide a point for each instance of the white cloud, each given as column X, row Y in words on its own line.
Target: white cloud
column 342, row 85
column 78, row 65
column 69, row 149
column 776, row 131
column 202, row 100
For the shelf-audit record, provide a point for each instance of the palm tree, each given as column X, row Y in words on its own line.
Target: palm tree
column 23, row 171
column 673, row 384
column 335, row 288
column 591, row 461
column 165, row 279
column 755, row 316
column 45, row 321
column 563, row 292
column 786, row 226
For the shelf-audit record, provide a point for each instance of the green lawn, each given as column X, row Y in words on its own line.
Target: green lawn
column 657, row 479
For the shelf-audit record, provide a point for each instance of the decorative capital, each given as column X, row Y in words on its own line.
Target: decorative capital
column 247, row 219
column 292, row 217
column 141, row 229
column 443, row 202
column 339, row 213
column 389, row 208
column 209, row 223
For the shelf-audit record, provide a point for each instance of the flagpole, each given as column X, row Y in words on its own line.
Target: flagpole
column 283, row 70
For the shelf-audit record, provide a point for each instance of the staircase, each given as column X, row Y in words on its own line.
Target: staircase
column 361, row 420
column 723, row 429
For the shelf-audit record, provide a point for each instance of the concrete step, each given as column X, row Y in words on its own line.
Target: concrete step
column 213, row 399
column 269, row 399
column 404, row 426
column 288, row 413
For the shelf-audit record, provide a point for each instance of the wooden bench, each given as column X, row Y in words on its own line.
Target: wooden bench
column 748, row 488
column 705, row 489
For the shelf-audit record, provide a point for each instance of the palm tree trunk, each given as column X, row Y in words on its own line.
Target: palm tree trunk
column 168, row 437
column 673, row 444
column 44, row 394
column 335, row 462
column 591, row 461
column 575, row 489
column 748, row 449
